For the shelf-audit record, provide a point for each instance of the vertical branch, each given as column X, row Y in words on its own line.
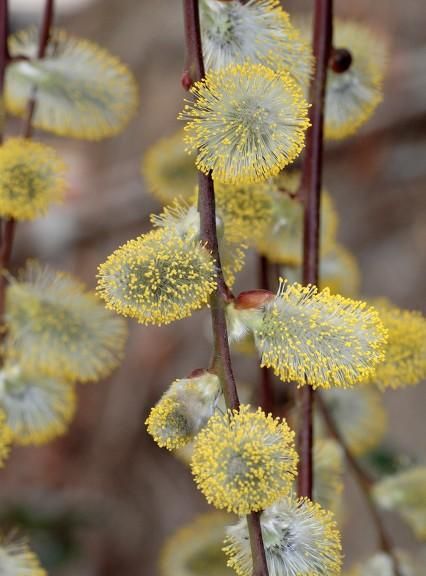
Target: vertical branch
column 4, row 57
column 265, row 380
column 311, row 189
column 10, row 224
column 43, row 41
column 194, row 71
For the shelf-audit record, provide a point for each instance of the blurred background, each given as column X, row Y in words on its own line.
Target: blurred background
column 103, row 499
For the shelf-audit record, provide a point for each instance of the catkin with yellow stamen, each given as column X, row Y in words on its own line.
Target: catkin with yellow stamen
column 243, row 461
column 319, row 339
column 83, row 91
column 31, row 178
column 157, row 278
column 246, row 123
column 299, row 538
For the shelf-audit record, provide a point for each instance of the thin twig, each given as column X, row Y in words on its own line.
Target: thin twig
column 311, row 190
column 10, row 224
column 364, row 481
column 206, row 205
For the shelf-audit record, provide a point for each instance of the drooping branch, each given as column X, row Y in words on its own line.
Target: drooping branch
column 194, row 71
column 364, row 482
column 311, row 190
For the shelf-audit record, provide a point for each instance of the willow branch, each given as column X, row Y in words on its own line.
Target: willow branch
column 265, row 379
column 364, row 482
column 311, row 190
column 194, row 69
column 10, row 224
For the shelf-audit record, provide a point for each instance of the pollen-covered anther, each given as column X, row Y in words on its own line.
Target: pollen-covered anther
column 158, row 277
column 183, row 410
column 31, row 178
column 246, row 123
column 243, row 460
column 299, row 537
column 320, row 339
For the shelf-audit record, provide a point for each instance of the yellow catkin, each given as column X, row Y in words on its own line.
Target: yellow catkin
column 257, row 30
column 38, row 408
column 300, row 539
column 183, row 410
column 320, row 339
column 243, row 461
column 59, row 328
column 246, row 123
column 31, row 178
column 157, row 278
column 16, row 558
column 405, row 360
column 360, row 416
column 83, row 91
column 353, row 96
column 169, row 172
column 282, row 239
column 196, row 548
column 405, row 493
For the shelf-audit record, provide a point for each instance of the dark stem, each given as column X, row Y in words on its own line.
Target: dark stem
column 206, row 205
column 43, row 41
column 364, row 481
column 265, row 378
column 10, row 224
column 4, row 56
column 311, row 190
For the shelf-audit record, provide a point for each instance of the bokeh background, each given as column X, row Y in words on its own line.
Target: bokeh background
column 103, row 499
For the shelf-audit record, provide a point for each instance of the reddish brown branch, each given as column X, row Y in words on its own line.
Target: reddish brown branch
column 10, row 224
column 311, row 190
column 265, row 378
column 194, row 70
column 364, row 482
column 43, row 42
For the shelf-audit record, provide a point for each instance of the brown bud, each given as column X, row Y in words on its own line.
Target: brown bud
column 186, row 80
column 198, row 372
column 253, row 299
column 340, row 60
